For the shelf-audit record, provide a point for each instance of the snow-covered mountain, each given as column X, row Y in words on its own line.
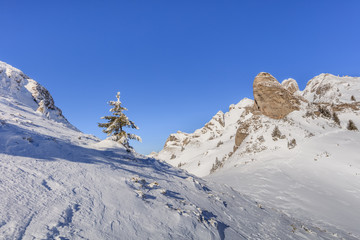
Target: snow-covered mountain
column 289, row 148
column 59, row 183
column 21, row 89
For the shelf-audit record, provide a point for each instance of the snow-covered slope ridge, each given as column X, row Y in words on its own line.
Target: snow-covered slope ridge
column 327, row 88
column 19, row 88
column 58, row 183
column 309, row 168
column 192, row 151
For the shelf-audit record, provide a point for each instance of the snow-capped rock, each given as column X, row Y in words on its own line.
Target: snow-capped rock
column 330, row 89
column 21, row 88
column 291, row 85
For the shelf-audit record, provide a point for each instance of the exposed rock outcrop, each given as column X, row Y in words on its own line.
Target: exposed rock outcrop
column 40, row 94
column 241, row 134
column 290, row 85
column 271, row 98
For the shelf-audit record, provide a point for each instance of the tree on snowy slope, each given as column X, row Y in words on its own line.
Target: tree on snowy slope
column 117, row 122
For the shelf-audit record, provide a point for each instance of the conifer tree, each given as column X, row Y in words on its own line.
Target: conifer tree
column 117, row 122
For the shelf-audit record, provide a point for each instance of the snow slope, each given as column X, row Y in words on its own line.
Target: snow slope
column 58, row 183
column 310, row 171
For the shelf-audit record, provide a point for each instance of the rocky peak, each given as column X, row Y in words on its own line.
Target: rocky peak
column 271, row 98
column 290, row 85
column 20, row 88
column 331, row 89
column 217, row 121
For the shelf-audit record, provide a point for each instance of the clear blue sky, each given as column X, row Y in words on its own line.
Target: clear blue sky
column 176, row 63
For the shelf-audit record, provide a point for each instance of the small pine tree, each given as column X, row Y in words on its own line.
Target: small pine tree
column 276, row 133
column 336, row 118
column 324, row 112
column 292, row 144
column 117, row 122
column 351, row 126
column 353, row 98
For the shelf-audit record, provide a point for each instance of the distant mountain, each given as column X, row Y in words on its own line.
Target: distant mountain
column 59, row 183
column 292, row 149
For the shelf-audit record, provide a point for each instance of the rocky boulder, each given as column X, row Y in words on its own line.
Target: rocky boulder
column 271, row 98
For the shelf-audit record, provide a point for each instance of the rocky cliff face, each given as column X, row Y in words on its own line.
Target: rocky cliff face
column 271, row 98
column 24, row 90
column 248, row 127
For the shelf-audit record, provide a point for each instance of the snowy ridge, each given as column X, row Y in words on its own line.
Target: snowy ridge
column 20, row 88
column 327, row 88
column 192, row 151
column 58, row 183
column 305, row 170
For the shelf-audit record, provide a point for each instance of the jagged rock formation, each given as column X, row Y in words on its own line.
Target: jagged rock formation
column 41, row 96
column 290, row 85
column 271, row 98
column 15, row 84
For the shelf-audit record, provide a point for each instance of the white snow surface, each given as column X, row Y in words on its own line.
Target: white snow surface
column 317, row 179
column 59, row 183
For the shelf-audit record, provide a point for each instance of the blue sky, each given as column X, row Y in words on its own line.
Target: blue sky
column 176, row 63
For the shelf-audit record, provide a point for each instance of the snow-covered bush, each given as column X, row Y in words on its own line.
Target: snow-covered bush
column 309, row 114
column 261, row 139
column 292, row 143
column 219, row 143
column 29, row 139
column 351, row 126
column 324, row 111
column 336, row 118
column 276, row 134
column 218, row 164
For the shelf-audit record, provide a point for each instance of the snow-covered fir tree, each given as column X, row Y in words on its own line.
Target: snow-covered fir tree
column 117, row 122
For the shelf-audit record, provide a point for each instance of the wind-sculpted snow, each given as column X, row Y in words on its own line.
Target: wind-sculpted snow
column 58, row 183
